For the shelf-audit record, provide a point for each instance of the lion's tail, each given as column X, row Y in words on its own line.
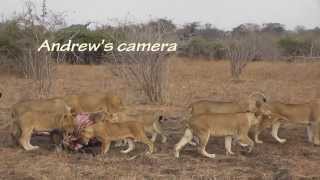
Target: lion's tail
column 15, row 130
column 157, row 125
column 15, row 133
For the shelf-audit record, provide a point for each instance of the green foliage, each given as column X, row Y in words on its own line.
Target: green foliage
column 10, row 35
column 201, row 47
column 81, row 34
column 293, row 46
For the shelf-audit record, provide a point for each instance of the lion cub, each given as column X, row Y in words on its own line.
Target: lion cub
column 267, row 122
column 106, row 132
column 233, row 125
column 152, row 122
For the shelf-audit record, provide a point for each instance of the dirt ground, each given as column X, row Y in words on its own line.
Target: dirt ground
column 189, row 81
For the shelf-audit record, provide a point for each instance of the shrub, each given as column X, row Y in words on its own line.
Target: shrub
column 291, row 46
column 200, row 47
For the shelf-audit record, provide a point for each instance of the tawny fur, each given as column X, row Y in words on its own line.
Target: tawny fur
column 36, row 121
column 255, row 101
column 48, row 105
column 267, row 122
column 152, row 122
column 95, row 102
column 206, row 106
column 106, row 132
column 308, row 114
column 233, row 125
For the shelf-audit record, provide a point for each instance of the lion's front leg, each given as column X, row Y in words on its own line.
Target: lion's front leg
column 105, row 146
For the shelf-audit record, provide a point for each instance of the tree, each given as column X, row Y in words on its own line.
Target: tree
column 273, row 28
column 246, row 28
column 189, row 30
column 240, row 51
column 79, row 33
column 20, row 38
column 144, row 70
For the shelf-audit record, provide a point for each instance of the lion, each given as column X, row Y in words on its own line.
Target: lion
column 308, row 114
column 106, row 132
column 152, row 122
column 153, row 125
column 70, row 140
column 40, row 121
column 267, row 123
column 94, row 102
column 228, row 125
column 256, row 103
column 206, row 106
column 255, row 100
column 52, row 105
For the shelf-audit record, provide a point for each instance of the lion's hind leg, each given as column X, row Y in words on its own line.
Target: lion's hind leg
column 245, row 141
column 142, row 137
column 25, row 138
column 186, row 138
column 130, row 146
column 274, row 132
column 257, row 131
column 228, row 143
column 204, row 138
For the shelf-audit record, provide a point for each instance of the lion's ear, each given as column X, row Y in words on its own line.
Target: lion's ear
column 161, row 118
column 96, row 116
column 258, row 104
column 73, row 112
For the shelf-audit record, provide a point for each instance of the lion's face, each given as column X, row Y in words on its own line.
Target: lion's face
column 116, row 105
column 263, row 109
column 86, row 134
column 69, row 122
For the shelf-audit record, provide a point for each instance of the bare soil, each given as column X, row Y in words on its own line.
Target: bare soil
column 189, row 81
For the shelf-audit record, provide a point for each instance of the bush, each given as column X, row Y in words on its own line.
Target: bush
column 200, row 47
column 294, row 47
column 81, row 34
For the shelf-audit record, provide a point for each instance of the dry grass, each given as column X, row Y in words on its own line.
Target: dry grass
column 189, row 81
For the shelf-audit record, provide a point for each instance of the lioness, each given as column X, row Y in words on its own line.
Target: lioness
column 231, row 125
column 205, row 106
column 46, row 105
column 94, row 102
column 308, row 113
column 256, row 103
column 255, row 100
column 106, row 132
column 37, row 121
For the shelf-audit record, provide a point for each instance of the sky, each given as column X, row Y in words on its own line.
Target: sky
column 224, row 14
